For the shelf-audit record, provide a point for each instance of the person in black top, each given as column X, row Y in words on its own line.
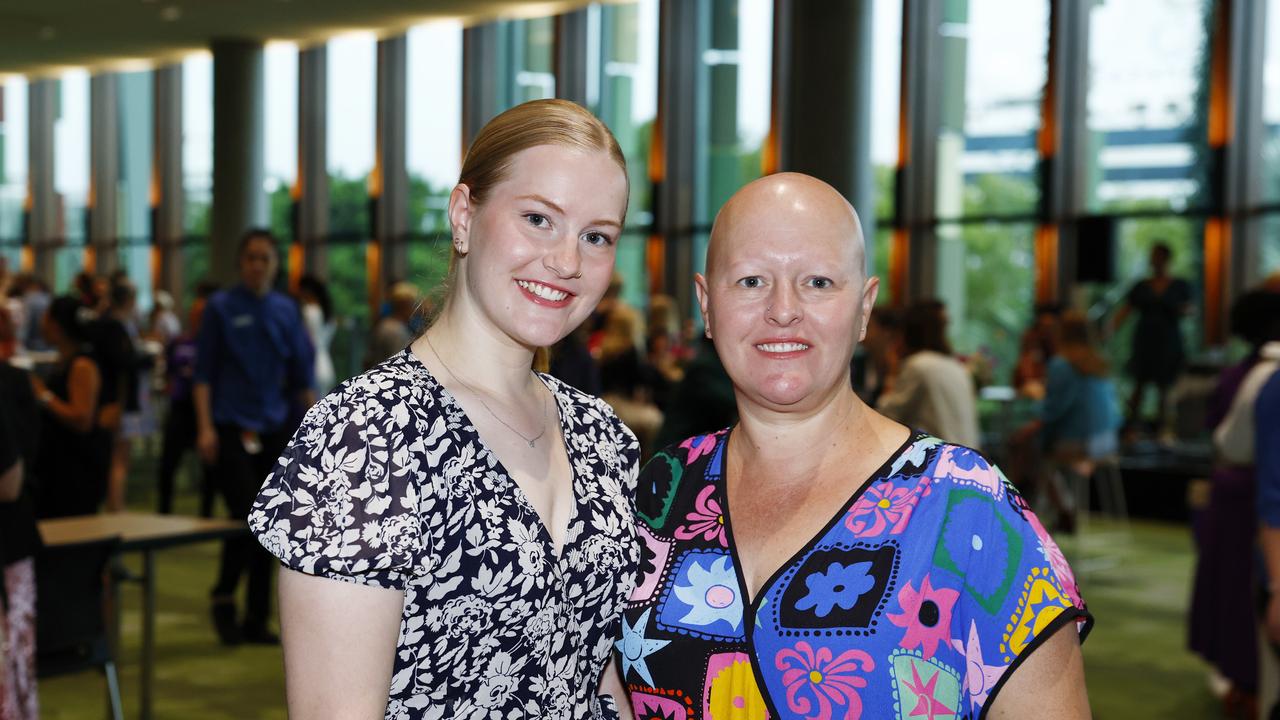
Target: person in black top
column 74, row 449
column 1158, row 355
column 120, row 362
column 19, row 536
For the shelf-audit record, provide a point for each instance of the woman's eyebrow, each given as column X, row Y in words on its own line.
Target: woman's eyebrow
column 538, row 198
column 559, row 210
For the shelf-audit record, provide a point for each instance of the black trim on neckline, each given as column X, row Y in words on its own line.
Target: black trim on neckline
column 877, row 474
column 749, row 607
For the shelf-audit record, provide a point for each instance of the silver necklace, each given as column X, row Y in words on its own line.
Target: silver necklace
column 530, row 440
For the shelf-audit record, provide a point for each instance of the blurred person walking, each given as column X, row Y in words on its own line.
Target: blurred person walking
column 180, row 424
column 253, row 357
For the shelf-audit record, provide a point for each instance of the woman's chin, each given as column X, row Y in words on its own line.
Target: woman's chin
column 537, row 334
column 784, row 392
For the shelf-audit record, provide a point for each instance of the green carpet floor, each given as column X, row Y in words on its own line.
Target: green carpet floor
column 1136, row 658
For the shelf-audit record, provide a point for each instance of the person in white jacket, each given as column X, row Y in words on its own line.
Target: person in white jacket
column 932, row 390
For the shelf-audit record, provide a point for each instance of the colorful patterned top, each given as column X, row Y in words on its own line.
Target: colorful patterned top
column 916, row 600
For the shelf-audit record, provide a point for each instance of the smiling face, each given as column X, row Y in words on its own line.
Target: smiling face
column 258, row 263
column 785, row 295
column 538, row 252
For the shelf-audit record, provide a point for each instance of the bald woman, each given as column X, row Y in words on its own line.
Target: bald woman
column 819, row 560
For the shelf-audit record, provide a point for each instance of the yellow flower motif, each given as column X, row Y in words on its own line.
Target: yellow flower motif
column 734, row 694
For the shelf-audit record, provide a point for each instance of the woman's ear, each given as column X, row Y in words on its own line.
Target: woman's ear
column 461, row 213
column 704, row 301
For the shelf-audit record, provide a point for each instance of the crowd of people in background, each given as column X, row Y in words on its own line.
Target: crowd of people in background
column 85, row 378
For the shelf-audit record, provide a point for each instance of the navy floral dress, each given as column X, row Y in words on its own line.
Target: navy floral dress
column 917, row 599
column 388, row 484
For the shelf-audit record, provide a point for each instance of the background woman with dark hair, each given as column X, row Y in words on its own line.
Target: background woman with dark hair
column 74, row 450
column 1222, row 628
column 932, row 390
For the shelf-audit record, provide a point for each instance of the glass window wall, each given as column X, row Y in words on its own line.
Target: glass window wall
column 13, row 167
column 197, row 143
column 280, row 62
column 352, row 82
column 994, row 66
column 71, row 154
column 1146, row 105
column 624, row 93
column 434, row 147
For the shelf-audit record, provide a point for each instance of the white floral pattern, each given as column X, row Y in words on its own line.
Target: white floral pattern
column 387, row 483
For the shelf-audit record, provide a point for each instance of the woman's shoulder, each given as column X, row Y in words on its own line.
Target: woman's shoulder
column 399, row 385
column 586, row 407
column 945, row 466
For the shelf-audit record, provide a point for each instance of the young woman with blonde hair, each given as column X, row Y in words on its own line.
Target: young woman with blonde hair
column 455, row 527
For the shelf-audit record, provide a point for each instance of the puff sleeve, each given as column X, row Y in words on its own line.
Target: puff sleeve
column 343, row 501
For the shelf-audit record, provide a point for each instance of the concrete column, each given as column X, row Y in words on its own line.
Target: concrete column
column 676, row 129
column 311, row 226
column 921, row 110
column 239, row 201
column 1063, row 145
column 1242, row 161
column 1234, row 134
column 572, row 56
column 390, row 194
column 42, row 204
column 104, row 171
column 167, row 199
column 479, row 79
column 824, row 55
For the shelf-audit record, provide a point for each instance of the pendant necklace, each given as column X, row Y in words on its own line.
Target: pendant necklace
column 530, row 440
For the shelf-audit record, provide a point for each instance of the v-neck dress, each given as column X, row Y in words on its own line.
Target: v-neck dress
column 917, row 600
column 387, row 483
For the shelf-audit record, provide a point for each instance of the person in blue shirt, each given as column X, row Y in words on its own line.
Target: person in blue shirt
column 253, row 358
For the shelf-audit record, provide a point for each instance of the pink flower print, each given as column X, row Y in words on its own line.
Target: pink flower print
column 978, row 472
column 820, row 687
column 926, row 615
column 979, row 677
column 1053, row 554
column 706, row 520
column 698, row 445
column 883, row 506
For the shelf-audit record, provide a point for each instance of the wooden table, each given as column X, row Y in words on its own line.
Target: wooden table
column 143, row 533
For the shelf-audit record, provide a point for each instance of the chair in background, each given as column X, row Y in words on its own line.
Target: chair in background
column 71, row 614
column 1097, row 550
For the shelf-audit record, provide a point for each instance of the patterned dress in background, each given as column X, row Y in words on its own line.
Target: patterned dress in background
column 917, row 599
column 388, row 484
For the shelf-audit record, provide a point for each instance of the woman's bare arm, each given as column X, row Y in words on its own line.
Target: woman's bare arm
column 1049, row 684
column 611, row 684
column 79, row 410
column 339, row 646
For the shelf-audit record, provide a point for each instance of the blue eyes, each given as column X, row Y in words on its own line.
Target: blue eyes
column 755, row 281
column 540, row 221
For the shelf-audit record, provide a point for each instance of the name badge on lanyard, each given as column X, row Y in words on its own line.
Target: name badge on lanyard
column 242, row 321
